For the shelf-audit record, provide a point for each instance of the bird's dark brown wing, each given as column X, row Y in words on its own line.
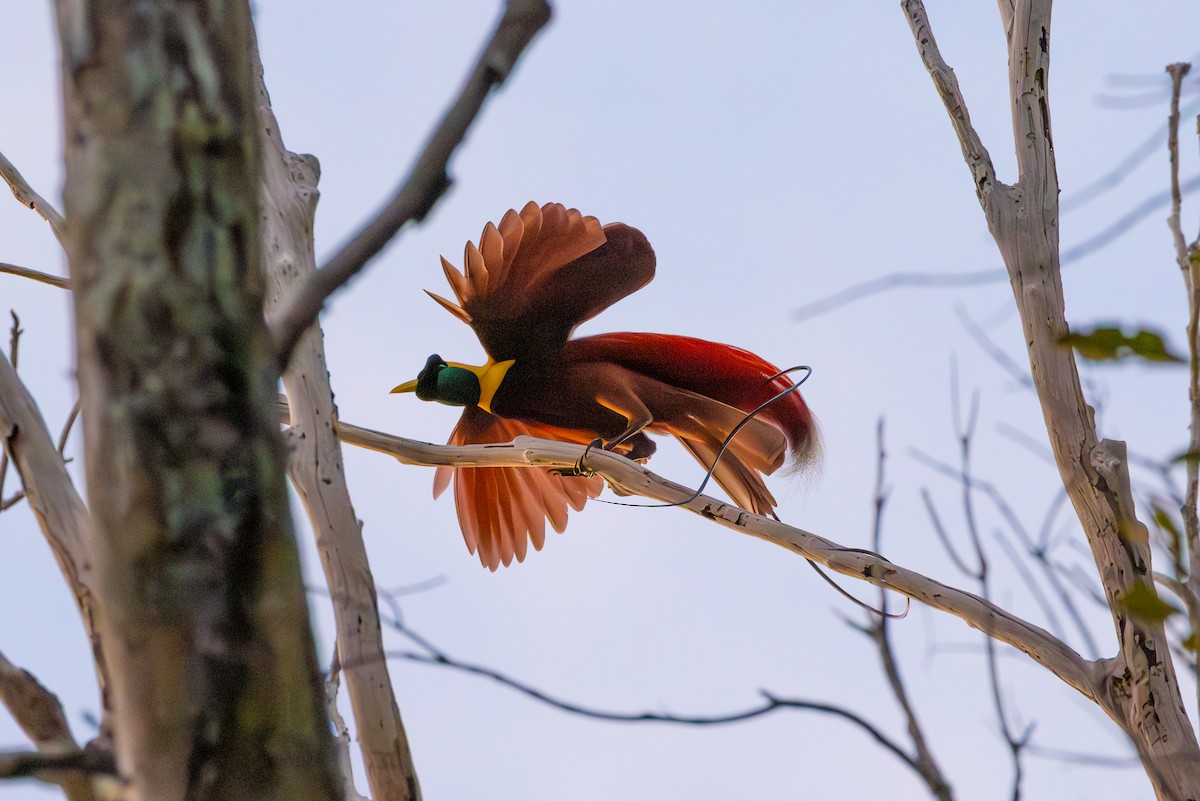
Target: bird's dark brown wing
column 542, row 272
column 501, row 510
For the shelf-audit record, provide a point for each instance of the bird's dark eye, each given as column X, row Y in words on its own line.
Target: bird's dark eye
column 427, row 378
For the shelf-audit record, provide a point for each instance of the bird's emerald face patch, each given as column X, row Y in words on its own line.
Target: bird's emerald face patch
column 441, row 382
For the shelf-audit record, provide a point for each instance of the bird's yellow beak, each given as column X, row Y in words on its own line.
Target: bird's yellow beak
column 407, row 386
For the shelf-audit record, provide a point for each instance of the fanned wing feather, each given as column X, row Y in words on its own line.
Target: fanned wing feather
column 541, row 273
column 491, row 247
column 457, row 281
column 457, row 311
column 502, row 509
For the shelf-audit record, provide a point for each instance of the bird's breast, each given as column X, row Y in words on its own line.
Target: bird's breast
column 555, row 394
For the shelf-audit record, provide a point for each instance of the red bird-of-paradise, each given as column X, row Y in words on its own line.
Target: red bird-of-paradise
column 524, row 289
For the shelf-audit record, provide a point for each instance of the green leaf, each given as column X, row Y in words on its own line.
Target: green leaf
column 1165, row 523
column 1110, row 343
column 1186, row 457
column 1163, row 520
column 1143, row 603
column 1190, row 643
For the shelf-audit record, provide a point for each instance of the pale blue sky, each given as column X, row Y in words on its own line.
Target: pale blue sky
column 773, row 153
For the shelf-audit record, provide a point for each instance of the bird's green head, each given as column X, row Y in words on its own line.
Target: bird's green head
column 451, row 384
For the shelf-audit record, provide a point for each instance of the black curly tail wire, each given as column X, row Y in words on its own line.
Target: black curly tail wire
column 580, row 469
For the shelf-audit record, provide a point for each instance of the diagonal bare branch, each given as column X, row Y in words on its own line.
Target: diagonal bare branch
column 40, row 715
column 35, row 275
column 60, row 511
column 26, row 195
column 288, row 198
column 947, row 280
column 626, row 476
column 50, row 766
column 426, row 182
column 983, row 173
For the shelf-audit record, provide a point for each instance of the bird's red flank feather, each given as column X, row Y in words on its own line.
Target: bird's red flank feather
column 731, row 375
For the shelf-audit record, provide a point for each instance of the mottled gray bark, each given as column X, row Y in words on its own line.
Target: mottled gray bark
column 215, row 690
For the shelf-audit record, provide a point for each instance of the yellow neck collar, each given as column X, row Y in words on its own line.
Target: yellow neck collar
column 490, row 375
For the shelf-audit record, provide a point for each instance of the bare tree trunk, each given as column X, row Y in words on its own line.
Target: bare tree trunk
column 215, row 689
column 1138, row 687
column 289, row 201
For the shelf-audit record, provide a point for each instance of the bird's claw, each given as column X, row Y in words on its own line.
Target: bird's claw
column 581, row 470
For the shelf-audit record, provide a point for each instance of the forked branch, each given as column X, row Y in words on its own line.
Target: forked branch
column 1142, row 691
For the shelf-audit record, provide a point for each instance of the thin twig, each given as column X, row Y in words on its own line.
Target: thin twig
column 1077, row 758
column 13, row 500
column 935, row 520
column 24, row 193
column 35, row 275
column 981, row 574
column 42, row 765
column 993, row 666
column 14, row 351
column 770, row 704
column 1042, row 557
column 1082, row 580
column 1017, row 373
column 938, row 280
column 1177, row 73
column 1032, row 444
column 1161, row 468
column 416, row 587
column 341, row 733
column 14, row 339
column 1188, row 260
column 1124, row 168
column 1031, row 584
column 878, row 627
column 1039, row 552
column 67, row 426
column 428, row 179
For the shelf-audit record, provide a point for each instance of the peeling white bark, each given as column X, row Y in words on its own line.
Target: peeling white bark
column 1138, row 688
